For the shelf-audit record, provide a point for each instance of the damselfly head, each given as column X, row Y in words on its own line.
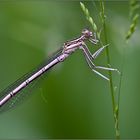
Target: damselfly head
column 87, row 33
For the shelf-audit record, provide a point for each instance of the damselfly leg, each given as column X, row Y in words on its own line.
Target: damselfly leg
column 91, row 64
column 94, row 40
column 96, row 54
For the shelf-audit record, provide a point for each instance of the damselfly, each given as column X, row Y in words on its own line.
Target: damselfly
column 67, row 49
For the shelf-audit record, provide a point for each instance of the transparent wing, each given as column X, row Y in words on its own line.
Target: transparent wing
column 20, row 97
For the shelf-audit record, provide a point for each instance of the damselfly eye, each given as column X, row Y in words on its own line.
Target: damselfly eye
column 87, row 33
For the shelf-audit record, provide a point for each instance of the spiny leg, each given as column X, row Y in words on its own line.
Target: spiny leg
column 85, row 48
column 100, row 74
column 93, row 56
column 95, row 70
column 106, row 68
column 100, row 67
column 91, row 65
column 99, row 51
column 94, row 40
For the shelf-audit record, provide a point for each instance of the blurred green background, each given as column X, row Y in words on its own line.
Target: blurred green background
column 78, row 102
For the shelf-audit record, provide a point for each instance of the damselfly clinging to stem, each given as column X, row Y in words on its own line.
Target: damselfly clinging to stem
column 68, row 48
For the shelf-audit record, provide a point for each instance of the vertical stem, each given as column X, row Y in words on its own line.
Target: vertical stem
column 109, row 72
column 114, row 105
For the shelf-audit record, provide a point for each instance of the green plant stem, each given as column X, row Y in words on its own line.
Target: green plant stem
column 114, row 105
column 108, row 62
column 115, row 113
